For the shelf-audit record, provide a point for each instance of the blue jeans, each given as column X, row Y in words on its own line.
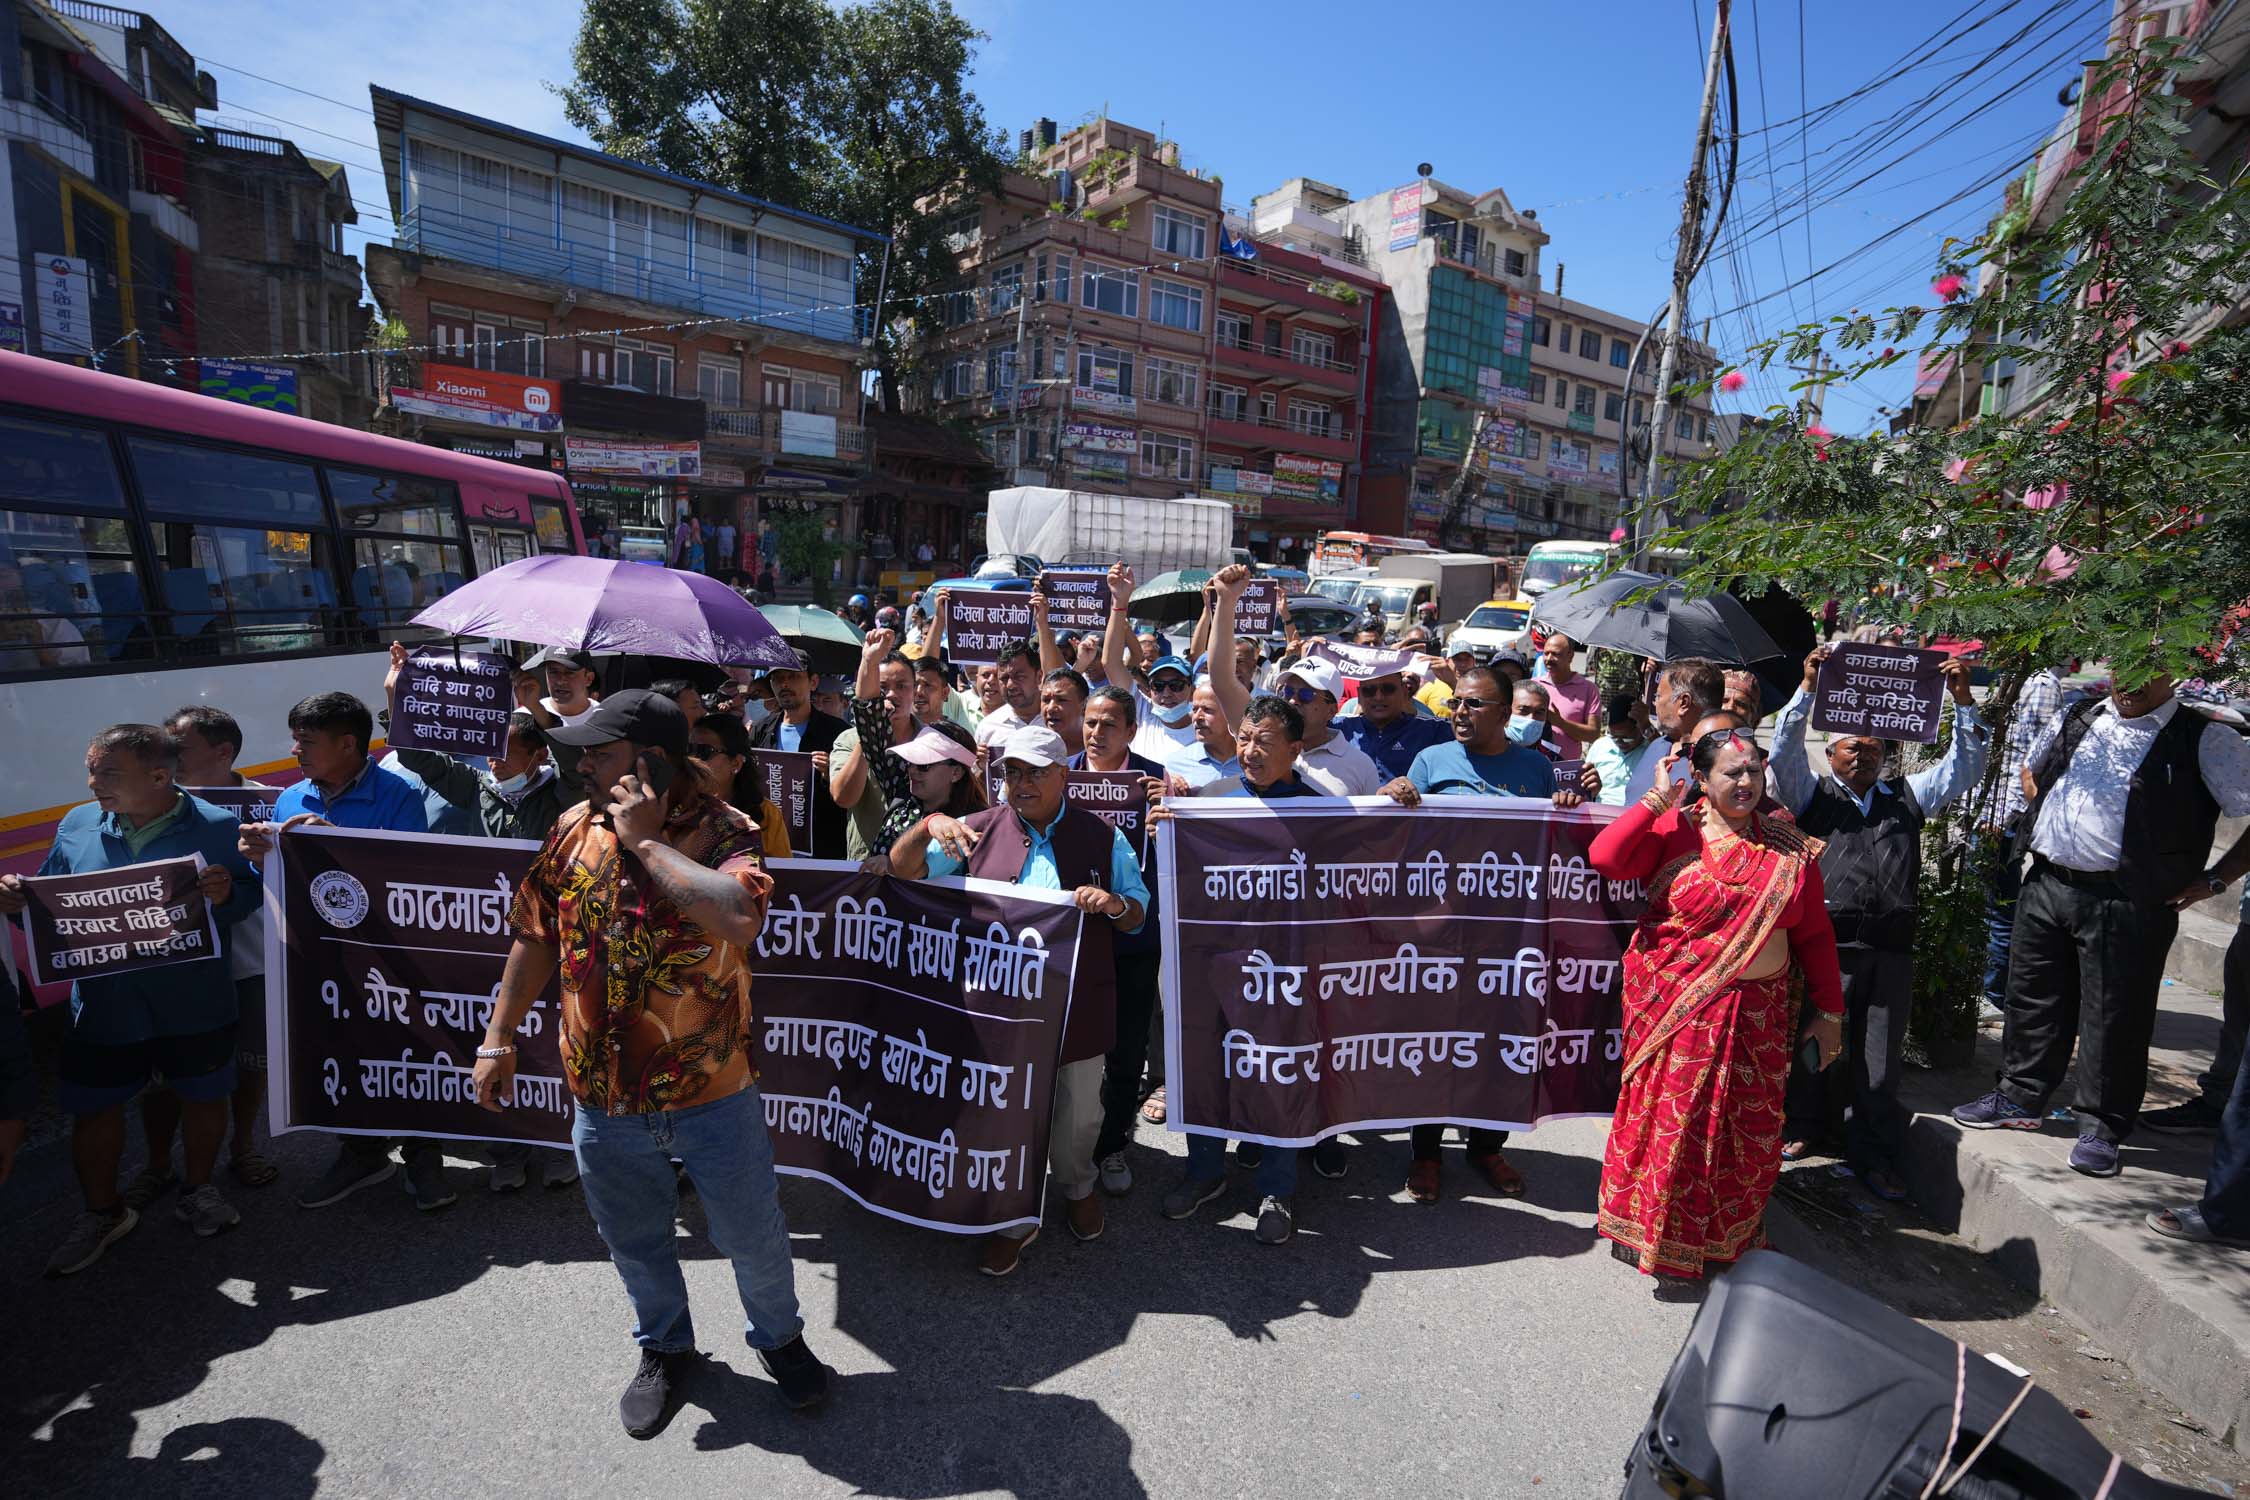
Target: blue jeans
column 2226, row 1192
column 625, row 1165
column 1276, row 1176
column 2000, row 915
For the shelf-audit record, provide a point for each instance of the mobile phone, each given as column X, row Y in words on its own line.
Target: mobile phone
column 1808, row 1054
column 657, row 771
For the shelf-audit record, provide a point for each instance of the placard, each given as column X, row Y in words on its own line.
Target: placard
column 118, row 921
column 1077, row 599
column 1258, row 611
column 1891, row 692
column 1118, row 798
column 249, row 804
column 787, row 776
column 981, row 623
column 456, row 704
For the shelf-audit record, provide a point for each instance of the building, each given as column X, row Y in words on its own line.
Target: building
column 274, row 278
column 1160, row 357
column 97, row 242
column 671, row 344
column 930, row 478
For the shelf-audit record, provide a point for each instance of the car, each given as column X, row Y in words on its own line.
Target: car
column 1496, row 625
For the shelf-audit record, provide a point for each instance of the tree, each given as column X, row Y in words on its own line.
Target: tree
column 859, row 114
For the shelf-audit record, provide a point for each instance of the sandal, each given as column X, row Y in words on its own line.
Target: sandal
column 252, row 1170
column 2188, row 1224
column 1884, row 1184
column 1795, row 1150
column 1152, row 1108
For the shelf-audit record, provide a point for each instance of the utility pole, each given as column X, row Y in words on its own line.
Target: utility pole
column 1816, row 395
column 1023, row 377
column 1683, row 271
column 1457, row 493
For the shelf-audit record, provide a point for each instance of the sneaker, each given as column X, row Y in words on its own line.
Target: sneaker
column 1190, row 1194
column 90, row 1234
column 561, row 1169
column 204, row 1211
column 1247, row 1155
column 1995, row 1111
column 344, row 1177
column 425, row 1180
column 649, row 1400
column 1003, row 1253
column 508, row 1175
column 1276, row 1221
column 1117, row 1177
column 2094, row 1157
column 147, row 1186
column 2196, row 1117
column 1329, row 1158
column 798, row 1371
column 1422, row 1181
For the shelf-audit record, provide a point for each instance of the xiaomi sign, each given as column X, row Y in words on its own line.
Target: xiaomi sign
column 491, row 389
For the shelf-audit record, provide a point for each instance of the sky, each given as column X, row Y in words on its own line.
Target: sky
column 1585, row 113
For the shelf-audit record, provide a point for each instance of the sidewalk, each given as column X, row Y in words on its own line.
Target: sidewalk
column 2177, row 1314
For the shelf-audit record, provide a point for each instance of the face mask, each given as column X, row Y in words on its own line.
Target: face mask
column 512, row 785
column 1526, row 731
column 757, row 712
column 1173, row 718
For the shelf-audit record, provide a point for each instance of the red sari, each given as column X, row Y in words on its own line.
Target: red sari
column 1696, row 1142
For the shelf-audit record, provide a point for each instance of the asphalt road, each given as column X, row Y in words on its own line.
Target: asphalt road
column 1477, row 1348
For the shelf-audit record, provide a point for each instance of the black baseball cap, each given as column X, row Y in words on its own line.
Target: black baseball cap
column 576, row 660
column 637, row 716
column 804, row 663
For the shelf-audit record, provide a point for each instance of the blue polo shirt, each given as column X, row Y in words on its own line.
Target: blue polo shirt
column 117, row 1010
column 1196, row 766
column 1393, row 746
column 1041, row 873
column 376, row 798
column 1449, row 770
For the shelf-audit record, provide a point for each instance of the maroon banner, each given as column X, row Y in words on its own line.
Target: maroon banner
column 454, row 702
column 1258, row 611
column 1341, row 966
column 787, row 776
column 1076, row 599
column 1118, row 798
column 118, row 921
column 249, row 804
column 1358, row 663
column 1891, row 692
column 980, row 623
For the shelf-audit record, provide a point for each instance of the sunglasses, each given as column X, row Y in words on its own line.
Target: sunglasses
column 1471, row 703
column 703, row 752
column 1380, row 689
column 1300, row 695
column 1167, row 685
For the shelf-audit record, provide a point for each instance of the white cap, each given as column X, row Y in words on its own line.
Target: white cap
column 1320, row 676
column 1460, row 646
column 1035, row 745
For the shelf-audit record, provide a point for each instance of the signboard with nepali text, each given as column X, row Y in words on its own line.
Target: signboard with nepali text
column 1077, row 598
column 250, row 803
column 1360, row 965
column 981, row 623
column 454, row 702
column 787, row 777
column 1890, row 692
column 118, row 921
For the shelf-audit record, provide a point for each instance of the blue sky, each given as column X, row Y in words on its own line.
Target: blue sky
column 1582, row 112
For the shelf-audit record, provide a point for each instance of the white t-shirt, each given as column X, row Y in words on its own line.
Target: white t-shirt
column 1159, row 741
column 569, row 720
column 998, row 724
column 1339, row 768
column 2081, row 824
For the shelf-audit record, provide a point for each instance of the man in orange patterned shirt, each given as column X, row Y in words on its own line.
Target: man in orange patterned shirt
column 647, row 897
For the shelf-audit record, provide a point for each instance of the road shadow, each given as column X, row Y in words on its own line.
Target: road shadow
column 1897, row 1252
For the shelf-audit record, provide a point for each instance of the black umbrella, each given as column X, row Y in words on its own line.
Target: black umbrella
column 1172, row 598
column 1666, row 624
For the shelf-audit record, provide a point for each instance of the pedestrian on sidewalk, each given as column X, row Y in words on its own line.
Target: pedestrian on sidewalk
column 126, row 1030
column 2222, row 1216
column 1041, row 842
column 1872, row 868
column 1711, row 1013
column 2201, row 1115
column 647, row 898
column 2125, row 795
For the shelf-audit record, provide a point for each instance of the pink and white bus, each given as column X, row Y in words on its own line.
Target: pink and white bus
column 159, row 548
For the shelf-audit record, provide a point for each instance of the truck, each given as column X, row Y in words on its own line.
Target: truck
column 1457, row 581
column 1073, row 528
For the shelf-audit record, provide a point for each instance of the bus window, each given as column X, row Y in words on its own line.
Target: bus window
column 398, row 504
column 497, row 546
column 219, row 484
column 245, row 590
column 69, row 593
column 50, row 463
column 393, row 577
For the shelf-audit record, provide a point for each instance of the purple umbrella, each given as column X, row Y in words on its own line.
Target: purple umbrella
column 601, row 606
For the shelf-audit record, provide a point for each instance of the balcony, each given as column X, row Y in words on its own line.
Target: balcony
column 168, row 215
column 42, row 122
column 822, row 311
column 1254, row 433
column 1130, row 179
column 807, row 434
column 1284, row 368
column 1249, row 284
column 1485, row 260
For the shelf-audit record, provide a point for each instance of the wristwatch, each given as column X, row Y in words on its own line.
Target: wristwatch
column 2218, row 886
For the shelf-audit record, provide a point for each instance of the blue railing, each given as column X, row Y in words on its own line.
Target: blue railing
column 786, row 302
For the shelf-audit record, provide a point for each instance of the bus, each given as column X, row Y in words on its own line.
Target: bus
column 159, row 548
column 1551, row 564
column 1357, row 553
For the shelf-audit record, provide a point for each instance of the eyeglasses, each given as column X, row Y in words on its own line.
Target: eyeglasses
column 1469, row 703
column 1300, row 695
column 1380, row 689
column 1015, row 771
column 703, row 752
column 1167, row 685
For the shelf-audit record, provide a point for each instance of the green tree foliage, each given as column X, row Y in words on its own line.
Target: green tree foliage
column 859, row 113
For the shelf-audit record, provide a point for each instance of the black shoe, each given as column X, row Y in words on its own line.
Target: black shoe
column 649, row 1402
column 802, row 1377
column 1329, row 1158
column 1247, row 1155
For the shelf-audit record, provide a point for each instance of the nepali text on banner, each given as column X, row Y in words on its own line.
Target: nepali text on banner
column 1332, row 965
column 118, row 921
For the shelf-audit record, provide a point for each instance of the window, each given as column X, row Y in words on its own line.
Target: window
column 404, row 504
column 1309, row 348
column 1174, row 233
column 593, row 363
column 1313, row 418
column 50, row 463
column 785, row 389
column 1538, row 389
column 1265, row 408
column 1582, row 400
column 956, row 308
column 1620, row 353
column 1108, row 370
column 1589, row 344
column 1562, row 345
column 1110, row 289
column 1562, row 393
column 182, row 479
column 246, row 589
column 70, row 595
column 1613, row 407
column 1234, row 330
column 1542, row 332
column 393, row 578
column 719, row 381
column 1007, row 287
column 957, row 379
column 1175, row 304
column 1164, row 456
column 643, row 367
column 1707, row 433
column 1171, row 382
column 1052, row 278
column 1514, row 262
column 1229, row 403
column 1000, row 369
column 1684, row 424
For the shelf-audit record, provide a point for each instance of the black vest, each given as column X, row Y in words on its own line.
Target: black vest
column 1082, row 844
column 1872, row 866
column 2170, row 815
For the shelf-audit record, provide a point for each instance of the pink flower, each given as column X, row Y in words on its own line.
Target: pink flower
column 1733, row 380
column 1888, row 351
column 1820, row 455
column 1948, row 287
column 1818, row 433
column 2117, row 378
column 2176, row 348
column 1955, row 468
column 1618, row 534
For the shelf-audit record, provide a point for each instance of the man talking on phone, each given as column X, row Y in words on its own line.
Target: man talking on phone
column 647, row 897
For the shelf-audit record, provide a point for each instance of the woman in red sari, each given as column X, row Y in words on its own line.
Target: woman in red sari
column 1735, row 903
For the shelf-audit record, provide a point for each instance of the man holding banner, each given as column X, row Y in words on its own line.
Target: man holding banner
column 1040, row 841
column 126, row 1028
column 647, row 897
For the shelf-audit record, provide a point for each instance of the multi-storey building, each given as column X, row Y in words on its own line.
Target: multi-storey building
column 672, row 344
column 274, row 280
column 97, row 243
column 1157, row 357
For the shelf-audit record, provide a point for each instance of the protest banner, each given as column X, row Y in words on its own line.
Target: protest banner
column 118, row 921
column 248, row 803
column 1352, row 965
column 1116, row 797
column 1358, row 663
column 980, row 623
column 1891, row 692
column 787, row 776
column 1077, row 599
column 1258, row 611
column 1568, row 773
column 907, row 1036
column 456, row 703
